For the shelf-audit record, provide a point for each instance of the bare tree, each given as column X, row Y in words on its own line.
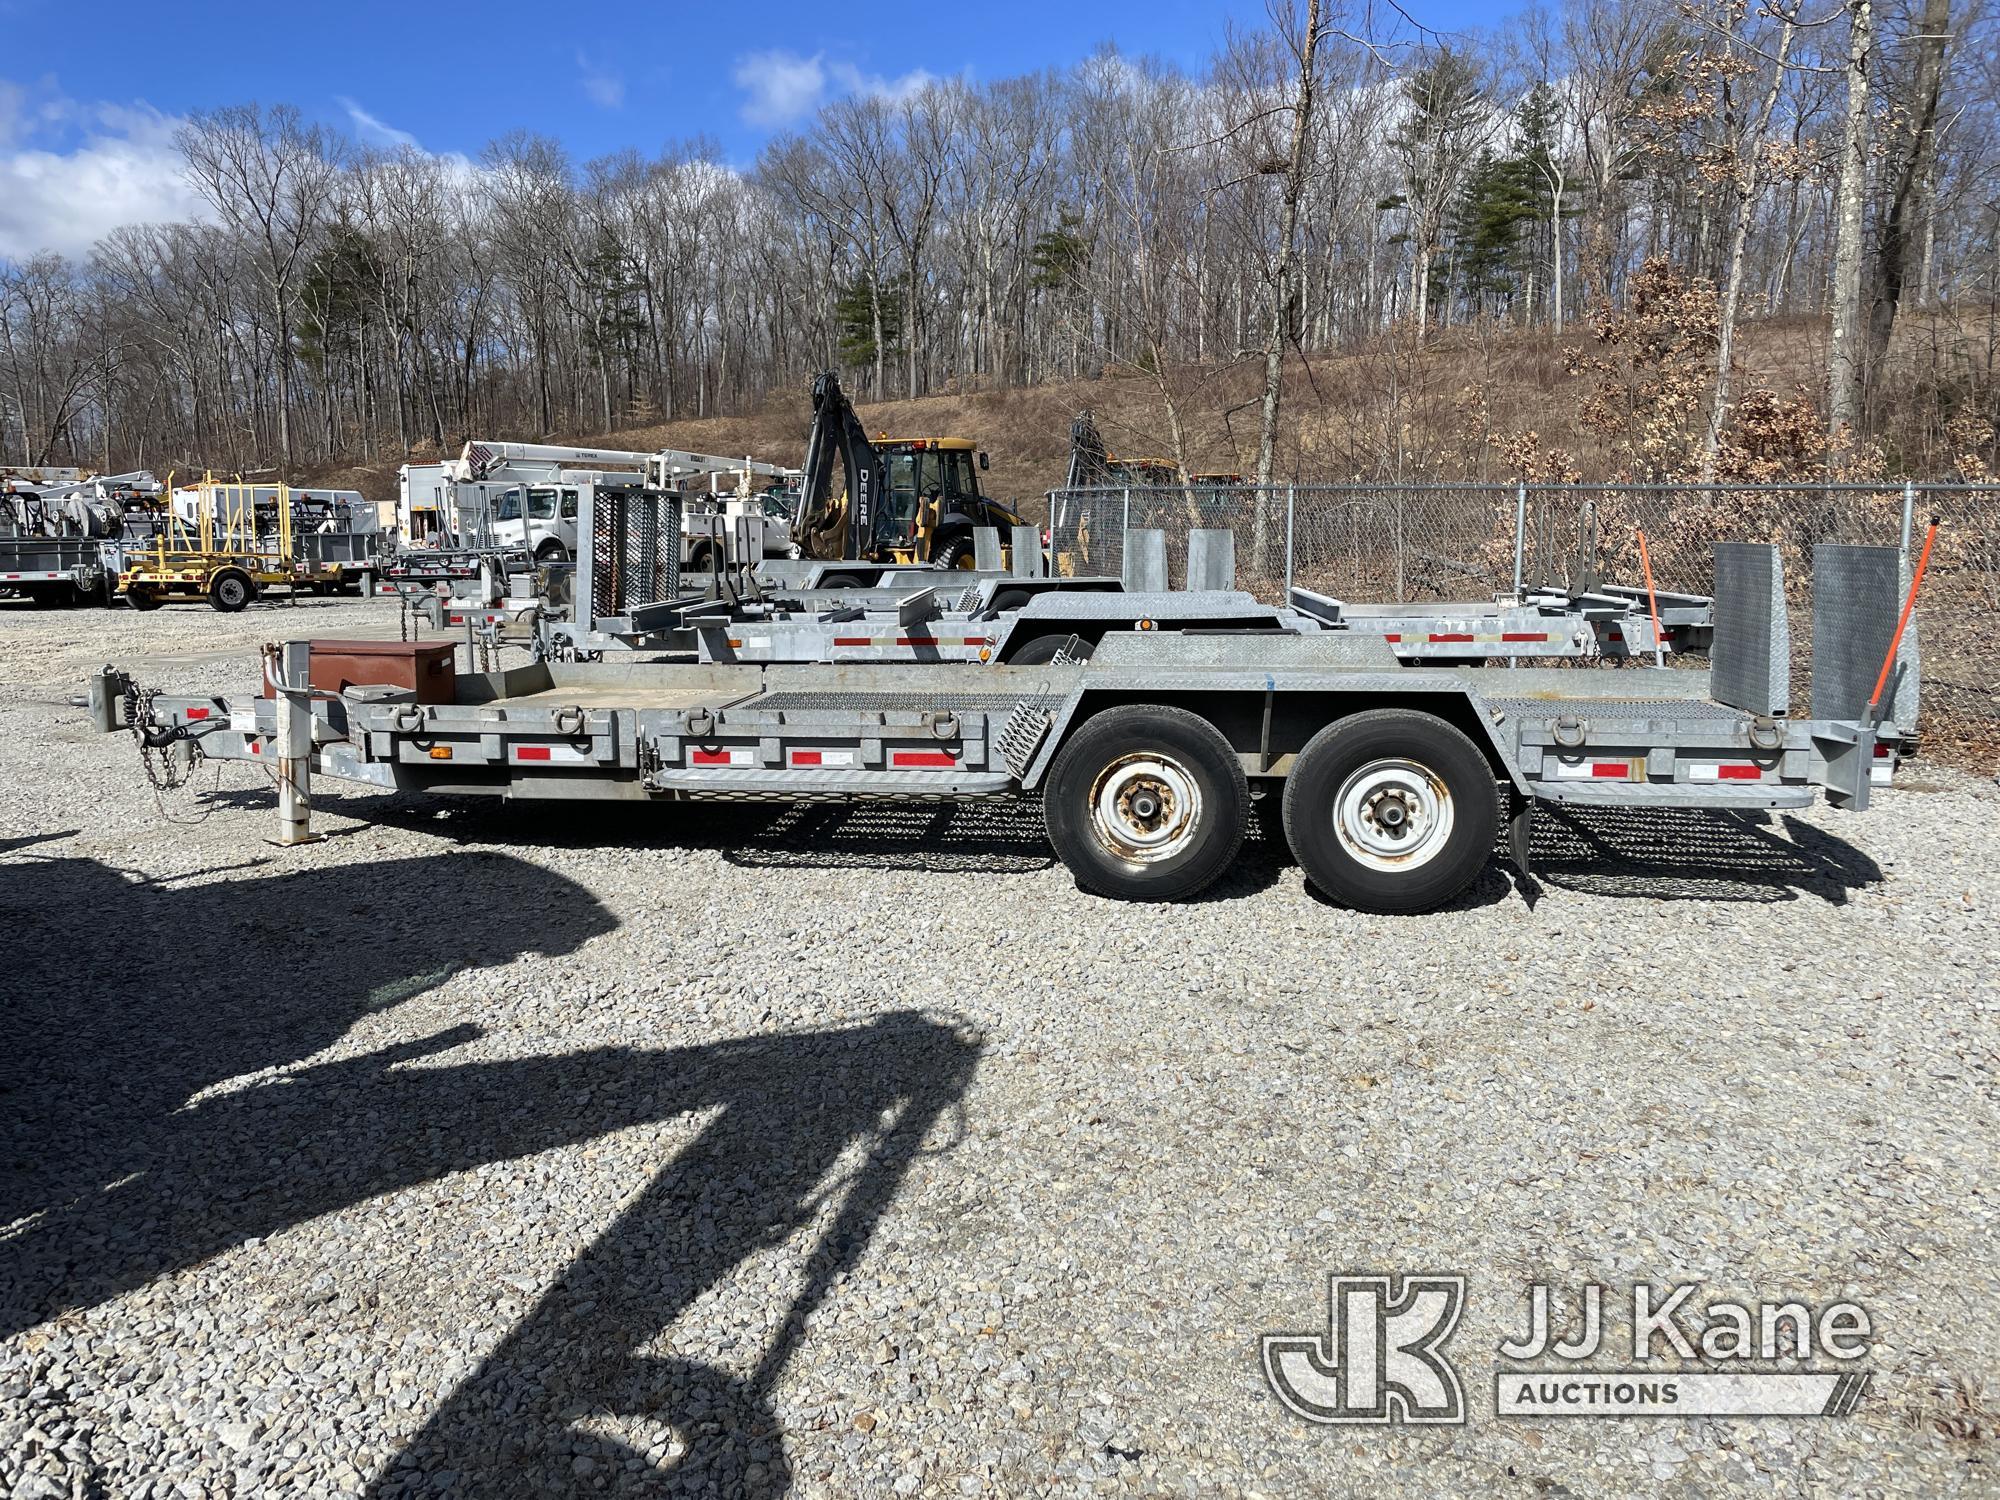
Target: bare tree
column 1844, row 348
column 1284, row 315
column 1752, row 57
column 1911, row 164
column 271, row 178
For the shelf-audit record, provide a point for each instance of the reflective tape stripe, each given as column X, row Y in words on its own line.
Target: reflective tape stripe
column 1725, row 771
column 940, row 759
column 567, row 755
column 822, row 757
column 722, row 757
column 1592, row 770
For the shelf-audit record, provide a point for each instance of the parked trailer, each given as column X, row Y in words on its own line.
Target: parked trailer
column 928, row 616
column 55, row 571
column 1146, row 757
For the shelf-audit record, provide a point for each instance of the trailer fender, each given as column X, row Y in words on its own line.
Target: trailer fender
column 1052, row 716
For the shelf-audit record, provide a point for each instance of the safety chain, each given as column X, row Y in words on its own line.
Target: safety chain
column 157, row 761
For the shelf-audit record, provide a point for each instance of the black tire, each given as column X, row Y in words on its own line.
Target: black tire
column 1006, row 601
column 1424, row 771
column 230, row 591
column 552, row 551
column 144, row 601
column 841, row 581
column 953, row 552
column 1147, row 749
column 698, row 557
column 1040, row 650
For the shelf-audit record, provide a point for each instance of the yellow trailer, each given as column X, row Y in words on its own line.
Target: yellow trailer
column 224, row 552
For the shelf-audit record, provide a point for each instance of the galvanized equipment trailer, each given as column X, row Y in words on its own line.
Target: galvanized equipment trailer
column 1147, row 756
column 631, row 597
column 59, row 570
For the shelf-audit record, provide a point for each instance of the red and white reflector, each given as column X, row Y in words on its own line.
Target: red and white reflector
column 1596, row 770
column 810, row 759
column 1727, row 770
column 552, row 755
column 923, row 760
column 741, row 755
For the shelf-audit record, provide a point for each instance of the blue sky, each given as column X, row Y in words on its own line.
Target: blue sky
column 89, row 94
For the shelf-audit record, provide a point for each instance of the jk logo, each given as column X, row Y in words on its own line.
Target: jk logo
column 1379, row 1360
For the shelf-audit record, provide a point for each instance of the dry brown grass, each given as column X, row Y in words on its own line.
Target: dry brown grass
column 1459, row 407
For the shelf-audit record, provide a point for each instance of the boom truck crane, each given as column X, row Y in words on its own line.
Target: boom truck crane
column 523, row 497
column 902, row 501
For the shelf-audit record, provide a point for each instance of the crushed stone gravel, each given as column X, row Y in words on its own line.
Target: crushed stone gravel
column 485, row 1149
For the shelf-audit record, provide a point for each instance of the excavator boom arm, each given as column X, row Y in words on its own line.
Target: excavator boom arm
column 829, row 527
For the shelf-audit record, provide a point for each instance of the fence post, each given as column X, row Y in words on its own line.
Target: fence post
column 1909, row 510
column 1291, row 521
column 1399, row 549
column 1520, row 531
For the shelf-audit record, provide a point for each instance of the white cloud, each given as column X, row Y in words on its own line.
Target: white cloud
column 853, row 81
column 778, row 87
column 372, row 130
column 782, row 88
column 604, row 87
column 70, row 173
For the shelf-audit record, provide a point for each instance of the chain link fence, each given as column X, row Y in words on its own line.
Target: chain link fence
column 1415, row 544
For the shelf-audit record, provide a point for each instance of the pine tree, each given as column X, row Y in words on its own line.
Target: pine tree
column 854, row 315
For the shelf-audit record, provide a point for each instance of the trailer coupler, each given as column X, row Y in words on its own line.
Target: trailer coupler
column 110, row 699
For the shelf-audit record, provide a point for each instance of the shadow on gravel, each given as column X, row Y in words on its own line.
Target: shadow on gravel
column 127, row 997
column 112, row 1177
column 1694, row 854
column 28, row 841
column 993, row 836
column 809, row 1125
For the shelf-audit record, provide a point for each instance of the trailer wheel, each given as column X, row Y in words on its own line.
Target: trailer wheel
column 1146, row 803
column 840, row 581
column 1039, row 651
column 144, row 599
column 1391, row 811
column 230, row 591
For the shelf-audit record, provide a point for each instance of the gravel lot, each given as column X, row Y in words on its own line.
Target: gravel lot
column 492, row 1150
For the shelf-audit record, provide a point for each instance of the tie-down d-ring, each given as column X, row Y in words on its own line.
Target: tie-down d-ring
column 569, row 720
column 698, row 723
column 943, row 724
column 1568, row 731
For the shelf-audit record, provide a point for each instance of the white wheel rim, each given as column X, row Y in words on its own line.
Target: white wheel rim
column 1145, row 808
column 1393, row 815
